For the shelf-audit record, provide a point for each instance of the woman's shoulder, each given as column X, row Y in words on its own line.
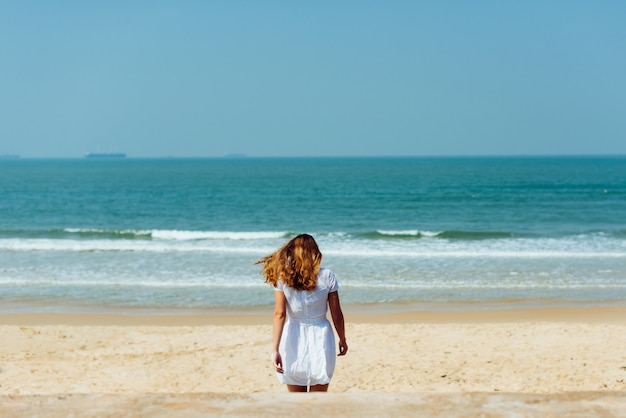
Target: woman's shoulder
column 327, row 277
column 324, row 272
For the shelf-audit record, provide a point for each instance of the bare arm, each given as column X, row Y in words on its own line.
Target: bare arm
column 280, row 314
column 337, row 315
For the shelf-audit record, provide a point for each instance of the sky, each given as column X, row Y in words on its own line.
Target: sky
column 318, row 78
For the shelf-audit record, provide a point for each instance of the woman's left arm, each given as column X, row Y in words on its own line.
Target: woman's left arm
column 337, row 315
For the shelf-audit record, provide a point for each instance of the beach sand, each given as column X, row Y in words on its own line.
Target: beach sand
column 530, row 362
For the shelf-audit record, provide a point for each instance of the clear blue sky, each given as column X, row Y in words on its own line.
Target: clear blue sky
column 318, row 78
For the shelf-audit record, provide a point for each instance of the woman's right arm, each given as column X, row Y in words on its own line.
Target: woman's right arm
column 337, row 315
column 280, row 314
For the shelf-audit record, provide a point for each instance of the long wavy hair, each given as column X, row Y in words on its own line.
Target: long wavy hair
column 296, row 263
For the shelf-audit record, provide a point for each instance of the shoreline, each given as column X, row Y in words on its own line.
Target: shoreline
column 358, row 308
column 152, row 317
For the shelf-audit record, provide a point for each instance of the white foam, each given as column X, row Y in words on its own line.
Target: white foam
column 162, row 246
column 333, row 244
column 475, row 253
column 502, row 249
column 430, row 234
column 181, row 235
column 222, row 235
column 411, row 232
column 495, row 285
column 156, row 283
column 107, row 231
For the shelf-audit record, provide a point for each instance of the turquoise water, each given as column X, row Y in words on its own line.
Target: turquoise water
column 184, row 233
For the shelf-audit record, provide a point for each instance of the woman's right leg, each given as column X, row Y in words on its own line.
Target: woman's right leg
column 296, row 388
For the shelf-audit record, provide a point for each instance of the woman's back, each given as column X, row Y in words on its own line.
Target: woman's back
column 310, row 304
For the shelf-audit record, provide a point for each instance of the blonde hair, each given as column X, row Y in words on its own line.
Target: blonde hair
column 296, row 263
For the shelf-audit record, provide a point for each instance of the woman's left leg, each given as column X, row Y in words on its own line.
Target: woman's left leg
column 319, row 388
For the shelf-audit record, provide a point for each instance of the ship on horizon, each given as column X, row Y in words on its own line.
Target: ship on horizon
column 105, row 155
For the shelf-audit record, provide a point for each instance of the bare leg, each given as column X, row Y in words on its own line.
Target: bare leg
column 296, row 388
column 320, row 388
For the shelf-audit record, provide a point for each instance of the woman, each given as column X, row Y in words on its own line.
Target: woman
column 303, row 347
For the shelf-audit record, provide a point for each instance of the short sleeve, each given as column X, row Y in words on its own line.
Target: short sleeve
column 280, row 286
column 333, row 286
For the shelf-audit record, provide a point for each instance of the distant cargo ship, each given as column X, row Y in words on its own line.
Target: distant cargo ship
column 105, row 155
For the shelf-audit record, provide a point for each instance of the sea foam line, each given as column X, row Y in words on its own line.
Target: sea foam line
column 249, row 284
column 410, row 233
column 182, row 235
column 24, row 245
column 485, row 253
column 127, row 284
column 525, row 251
column 221, row 235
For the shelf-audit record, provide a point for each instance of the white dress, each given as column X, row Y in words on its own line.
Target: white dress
column 307, row 345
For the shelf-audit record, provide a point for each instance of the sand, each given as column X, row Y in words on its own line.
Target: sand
column 482, row 363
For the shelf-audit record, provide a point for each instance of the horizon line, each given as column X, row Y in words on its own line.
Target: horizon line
column 245, row 156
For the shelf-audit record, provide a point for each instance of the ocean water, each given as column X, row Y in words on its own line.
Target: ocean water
column 185, row 233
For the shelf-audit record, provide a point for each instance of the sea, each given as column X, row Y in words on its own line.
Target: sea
column 182, row 235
